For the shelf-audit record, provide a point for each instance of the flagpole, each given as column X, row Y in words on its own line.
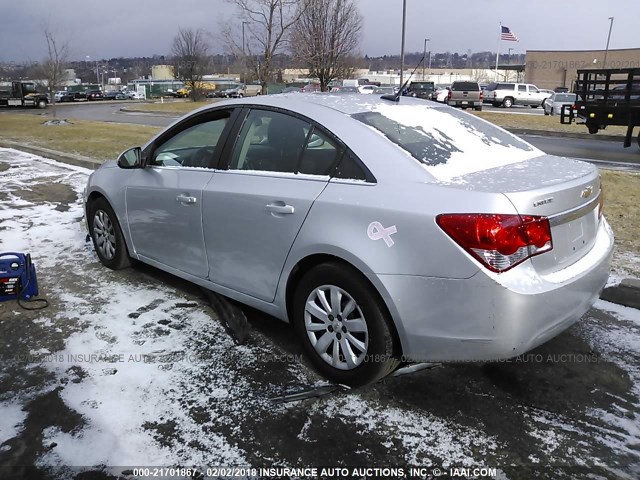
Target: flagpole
column 498, row 52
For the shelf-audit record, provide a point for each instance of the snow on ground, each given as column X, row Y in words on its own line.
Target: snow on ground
column 11, row 418
column 156, row 380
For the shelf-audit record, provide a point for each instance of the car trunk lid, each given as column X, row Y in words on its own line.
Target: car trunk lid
column 566, row 191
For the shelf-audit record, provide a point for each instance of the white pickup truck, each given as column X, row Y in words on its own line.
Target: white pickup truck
column 507, row 94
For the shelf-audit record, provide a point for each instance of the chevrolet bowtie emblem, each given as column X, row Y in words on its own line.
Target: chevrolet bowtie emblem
column 587, row 192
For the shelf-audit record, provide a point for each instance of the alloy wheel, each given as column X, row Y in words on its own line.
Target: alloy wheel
column 336, row 327
column 104, row 234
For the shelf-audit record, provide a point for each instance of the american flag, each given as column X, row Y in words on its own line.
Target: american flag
column 507, row 34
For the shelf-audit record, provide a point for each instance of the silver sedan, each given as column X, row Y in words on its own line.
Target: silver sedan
column 553, row 105
column 384, row 231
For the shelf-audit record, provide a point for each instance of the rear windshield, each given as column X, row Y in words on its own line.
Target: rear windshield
column 565, row 97
column 449, row 143
column 422, row 86
column 465, row 86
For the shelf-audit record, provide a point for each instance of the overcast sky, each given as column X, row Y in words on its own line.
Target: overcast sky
column 127, row 28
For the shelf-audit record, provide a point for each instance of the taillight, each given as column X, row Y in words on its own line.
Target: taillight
column 449, row 95
column 498, row 241
column 481, row 95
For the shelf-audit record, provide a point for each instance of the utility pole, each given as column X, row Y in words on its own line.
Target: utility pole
column 604, row 65
column 424, row 58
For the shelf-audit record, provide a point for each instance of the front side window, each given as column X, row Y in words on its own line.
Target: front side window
column 522, row 88
column 192, row 147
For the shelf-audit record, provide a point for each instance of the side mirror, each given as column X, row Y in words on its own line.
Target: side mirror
column 130, row 158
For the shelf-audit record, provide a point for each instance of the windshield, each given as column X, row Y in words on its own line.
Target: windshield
column 447, row 142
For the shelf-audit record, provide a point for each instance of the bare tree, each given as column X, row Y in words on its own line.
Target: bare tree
column 190, row 59
column 326, row 37
column 265, row 25
column 53, row 66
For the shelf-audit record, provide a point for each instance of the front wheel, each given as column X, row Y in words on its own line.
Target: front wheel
column 106, row 234
column 344, row 326
column 42, row 104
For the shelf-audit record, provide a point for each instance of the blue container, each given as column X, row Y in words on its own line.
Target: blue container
column 17, row 277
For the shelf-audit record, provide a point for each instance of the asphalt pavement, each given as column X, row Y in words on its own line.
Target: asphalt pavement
column 610, row 154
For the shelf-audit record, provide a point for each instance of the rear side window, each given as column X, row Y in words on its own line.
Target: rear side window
column 447, row 143
column 505, row 86
column 465, row 86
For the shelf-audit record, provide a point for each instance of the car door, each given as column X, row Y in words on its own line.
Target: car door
column 164, row 199
column 255, row 208
column 522, row 96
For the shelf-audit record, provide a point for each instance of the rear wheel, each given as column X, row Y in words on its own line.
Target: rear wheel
column 42, row 104
column 344, row 326
column 106, row 234
column 478, row 109
column 507, row 102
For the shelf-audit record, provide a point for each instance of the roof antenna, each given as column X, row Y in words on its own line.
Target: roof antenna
column 396, row 97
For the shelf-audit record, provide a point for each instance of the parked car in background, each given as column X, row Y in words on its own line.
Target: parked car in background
column 553, row 105
column 94, row 95
column 339, row 89
column 115, row 95
column 76, row 97
column 441, row 94
column 465, row 94
column 367, row 89
column 384, row 231
column 420, row 89
column 58, row 95
column 291, row 90
column 507, row 94
column 386, row 90
column 132, row 95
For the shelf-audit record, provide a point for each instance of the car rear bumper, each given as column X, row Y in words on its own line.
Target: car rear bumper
column 494, row 316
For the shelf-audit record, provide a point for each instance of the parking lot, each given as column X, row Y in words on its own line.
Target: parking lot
column 134, row 368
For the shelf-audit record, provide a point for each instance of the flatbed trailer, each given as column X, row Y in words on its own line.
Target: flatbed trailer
column 606, row 97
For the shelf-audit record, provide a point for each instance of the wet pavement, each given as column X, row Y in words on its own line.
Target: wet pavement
column 133, row 368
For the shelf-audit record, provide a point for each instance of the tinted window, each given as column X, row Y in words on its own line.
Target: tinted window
column 320, row 154
column 465, row 86
column 533, row 89
column 522, row 88
column 492, row 86
column 505, row 86
column 192, row 147
column 270, row 141
column 351, row 168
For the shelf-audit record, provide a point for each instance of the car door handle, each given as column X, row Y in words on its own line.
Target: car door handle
column 281, row 208
column 183, row 198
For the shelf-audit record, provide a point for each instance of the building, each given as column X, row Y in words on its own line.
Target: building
column 551, row 69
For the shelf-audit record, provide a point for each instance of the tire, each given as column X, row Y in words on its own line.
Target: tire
column 545, row 111
column 534, row 106
column 507, row 102
column 478, row 109
column 42, row 104
column 370, row 339
column 106, row 234
column 495, row 104
column 551, row 112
